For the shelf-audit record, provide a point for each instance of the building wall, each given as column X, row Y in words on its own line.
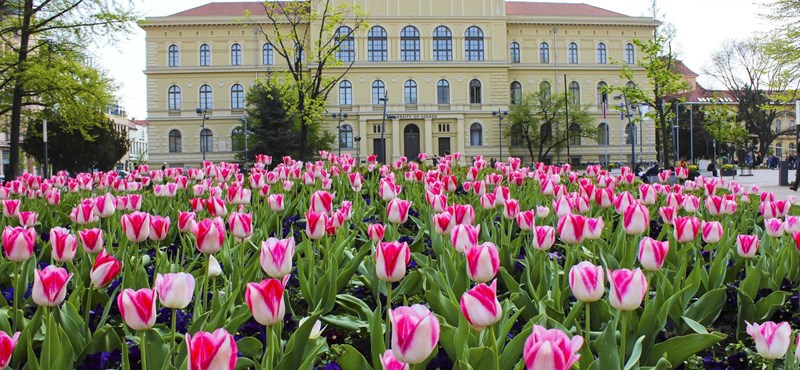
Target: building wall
column 437, row 123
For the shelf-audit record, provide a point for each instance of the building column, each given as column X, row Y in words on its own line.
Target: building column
column 428, row 136
column 395, row 141
column 460, row 134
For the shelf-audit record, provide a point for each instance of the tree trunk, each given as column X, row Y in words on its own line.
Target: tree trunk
column 16, row 102
column 665, row 133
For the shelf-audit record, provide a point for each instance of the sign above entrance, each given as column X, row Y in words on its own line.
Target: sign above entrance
column 417, row 116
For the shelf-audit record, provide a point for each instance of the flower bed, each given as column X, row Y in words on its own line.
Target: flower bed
column 327, row 265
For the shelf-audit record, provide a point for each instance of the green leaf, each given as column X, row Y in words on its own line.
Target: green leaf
column 376, row 335
column 512, row 353
column 696, row 326
column 482, row 358
column 296, row 346
column 765, row 307
column 606, row 344
column 706, row 309
column 678, row 349
column 636, row 353
column 250, row 347
column 157, row 349
column 351, row 359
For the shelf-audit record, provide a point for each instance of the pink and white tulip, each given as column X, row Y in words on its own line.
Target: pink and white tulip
column 391, row 259
column 772, row 339
column 138, row 308
column 480, row 306
column 105, row 269
column 211, row 351
column 551, row 349
column 627, row 289
column 276, row 256
column 265, row 300
column 483, row 262
column 587, row 282
column 50, row 286
column 415, row 333
column 63, row 244
column 652, row 253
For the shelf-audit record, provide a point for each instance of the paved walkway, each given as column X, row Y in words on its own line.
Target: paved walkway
column 767, row 180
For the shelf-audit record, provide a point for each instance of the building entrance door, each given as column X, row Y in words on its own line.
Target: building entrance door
column 444, row 146
column 377, row 149
column 411, row 141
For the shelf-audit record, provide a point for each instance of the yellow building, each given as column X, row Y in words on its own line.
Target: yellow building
column 444, row 65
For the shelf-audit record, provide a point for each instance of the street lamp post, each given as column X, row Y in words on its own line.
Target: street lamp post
column 384, row 100
column 357, row 139
column 500, row 114
column 204, row 112
column 341, row 117
column 245, row 133
column 633, row 129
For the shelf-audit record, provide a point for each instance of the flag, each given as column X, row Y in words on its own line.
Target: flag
column 605, row 110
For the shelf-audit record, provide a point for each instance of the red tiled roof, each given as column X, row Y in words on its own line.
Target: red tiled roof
column 140, row 122
column 557, row 9
column 512, row 8
column 702, row 95
column 680, row 68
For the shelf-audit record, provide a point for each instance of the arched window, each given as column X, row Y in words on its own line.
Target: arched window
column 779, row 150
column 409, row 44
column 442, row 44
column 544, row 53
column 174, row 141
column 205, row 55
column 236, row 55
column 517, row 136
column 574, row 134
column 476, row 134
column 575, row 92
column 206, row 141
column 572, row 53
column 237, row 97
column 237, row 139
column 346, row 137
column 266, row 54
column 205, row 97
column 544, row 91
column 473, row 43
column 602, row 134
column 514, row 50
column 629, row 134
column 602, row 94
column 475, row 92
column 347, row 44
column 377, row 51
column 174, row 97
column 602, row 54
column 173, row 56
column 516, row 92
column 410, row 92
column 630, row 56
column 378, row 92
column 443, row 92
column 345, row 93
column 777, row 125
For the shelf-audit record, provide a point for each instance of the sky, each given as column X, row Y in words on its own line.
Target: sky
column 702, row 26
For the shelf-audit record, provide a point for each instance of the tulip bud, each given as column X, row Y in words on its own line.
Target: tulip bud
column 316, row 223
column 214, row 269
column 241, row 225
column 415, row 333
column 389, row 362
column 747, row 245
column 635, row 219
column 18, row 242
column 774, row 227
column 159, row 227
column 391, row 260
column 136, row 226
column 275, row 202
column 50, row 286
column 7, row 346
column 105, row 269
column 627, row 289
column 464, row 237
column 265, row 300
column 175, row 290
column 551, row 349
column 276, row 256
column 652, row 253
column 376, row 232
column 686, row 228
column 586, row 282
column 544, row 237
column 772, row 340
column 211, row 351
column 209, row 235
column 480, row 307
column 712, row 231
column 63, row 244
column 571, row 228
column 397, row 211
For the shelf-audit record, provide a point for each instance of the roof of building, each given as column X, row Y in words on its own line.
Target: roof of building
column 682, row 69
column 512, row 8
column 557, row 9
column 701, row 95
column 140, row 122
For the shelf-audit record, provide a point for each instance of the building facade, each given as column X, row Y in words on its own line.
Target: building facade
column 442, row 66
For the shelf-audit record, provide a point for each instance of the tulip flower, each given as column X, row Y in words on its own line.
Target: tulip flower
column 543, row 237
column 747, row 245
column 712, row 231
column 136, row 226
column 275, row 202
column 276, row 256
column 316, row 223
column 209, row 235
column 774, row 227
column 159, row 227
column 321, row 202
column 397, row 211
column 415, row 333
column 526, row 220
column 214, row 269
column 635, row 219
column 11, row 207
column 18, row 243
column 197, row 204
column 652, row 253
column 542, row 211
column 389, row 362
column 483, row 262
column 265, row 300
column 105, row 205
column 668, row 214
column 211, row 351
column 216, row 207
column 772, row 340
column 175, row 290
column 562, row 205
column 388, row 190
column 138, row 308
column 586, row 282
column 50, row 286
column 105, row 269
column 488, row 201
column 9, row 343
column 480, row 306
column 510, row 209
column 797, row 349
column 391, row 259
column 594, row 228
column 27, row 219
column 571, row 228
column 376, row 232
column 463, row 214
column 627, row 289
column 63, row 244
column 686, row 228
column 92, row 240
column 551, row 349
column 187, row 221
column 464, row 237
column 241, row 225
column 84, row 213
column 604, row 197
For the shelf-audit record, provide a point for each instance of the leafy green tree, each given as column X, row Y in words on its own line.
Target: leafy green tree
column 96, row 146
column 539, row 118
column 27, row 27
column 315, row 40
column 658, row 61
column 720, row 123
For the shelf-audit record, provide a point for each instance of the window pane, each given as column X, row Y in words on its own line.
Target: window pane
column 345, row 93
column 205, row 55
column 174, row 141
column 475, row 92
column 173, row 56
column 236, row 55
column 378, row 91
column 474, row 43
column 475, row 135
column 544, row 53
column 629, row 54
column 602, row 56
column 266, row 54
column 346, row 137
column 573, row 53
column 376, row 45
column 410, row 92
column 347, row 48
column 515, row 57
column 409, row 44
column 205, row 97
column 516, row 93
column 575, row 92
column 442, row 44
column 237, row 97
column 443, row 92
column 206, row 141
column 174, row 98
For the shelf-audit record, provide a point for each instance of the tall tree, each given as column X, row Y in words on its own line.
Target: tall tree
column 273, row 131
column 721, row 124
column 26, row 27
column 315, row 40
column 539, row 119
column 658, row 60
column 760, row 85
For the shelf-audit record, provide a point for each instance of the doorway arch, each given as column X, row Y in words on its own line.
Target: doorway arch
column 411, row 141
